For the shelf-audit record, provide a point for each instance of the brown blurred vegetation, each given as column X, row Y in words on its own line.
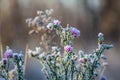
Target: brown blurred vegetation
column 90, row 16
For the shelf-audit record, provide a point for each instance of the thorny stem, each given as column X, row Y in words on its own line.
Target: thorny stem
column 20, row 75
column 96, row 61
column 52, row 70
column 7, row 70
column 72, row 69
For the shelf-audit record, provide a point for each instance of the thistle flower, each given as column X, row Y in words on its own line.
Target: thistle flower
column 55, row 65
column 8, row 53
column 35, row 53
column 75, row 32
column 100, row 35
column 4, row 61
column 39, row 12
column 57, row 22
column 38, row 49
column 68, row 48
column 50, row 26
column 81, row 60
column 100, row 38
column 15, row 56
column 49, row 12
column 42, row 55
column 20, row 56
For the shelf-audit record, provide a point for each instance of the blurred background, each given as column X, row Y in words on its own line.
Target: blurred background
column 89, row 16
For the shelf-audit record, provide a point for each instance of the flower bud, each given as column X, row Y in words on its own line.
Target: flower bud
column 50, row 26
column 57, row 22
column 75, row 32
column 4, row 61
column 8, row 53
column 68, row 48
column 15, row 56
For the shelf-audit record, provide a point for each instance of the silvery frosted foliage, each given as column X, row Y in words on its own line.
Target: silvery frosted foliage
column 62, row 63
column 11, row 65
column 40, row 21
column 43, row 23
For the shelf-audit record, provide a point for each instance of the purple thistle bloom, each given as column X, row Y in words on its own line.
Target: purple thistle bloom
column 75, row 32
column 57, row 22
column 8, row 53
column 68, row 48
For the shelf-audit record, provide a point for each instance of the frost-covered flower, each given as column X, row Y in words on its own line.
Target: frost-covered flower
column 8, row 53
column 75, row 32
column 39, row 12
column 100, row 35
column 38, row 49
column 20, row 56
column 49, row 12
column 57, row 22
column 4, row 61
column 81, row 60
column 15, row 56
column 50, row 26
column 100, row 38
column 42, row 55
column 68, row 48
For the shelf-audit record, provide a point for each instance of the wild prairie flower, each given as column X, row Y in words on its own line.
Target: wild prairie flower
column 20, row 56
column 8, row 53
column 4, row 61
column 68, row 48
column 75, row 32
column 49, row 12
column 56, row 65
column 57, row 22
column 32, row 53
column 81, row 60
column 15, row 56
column 50, row 26
column 100, row 35
column 38, row 49
column 39, row 12
column 42, row 55
column 100, row 38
